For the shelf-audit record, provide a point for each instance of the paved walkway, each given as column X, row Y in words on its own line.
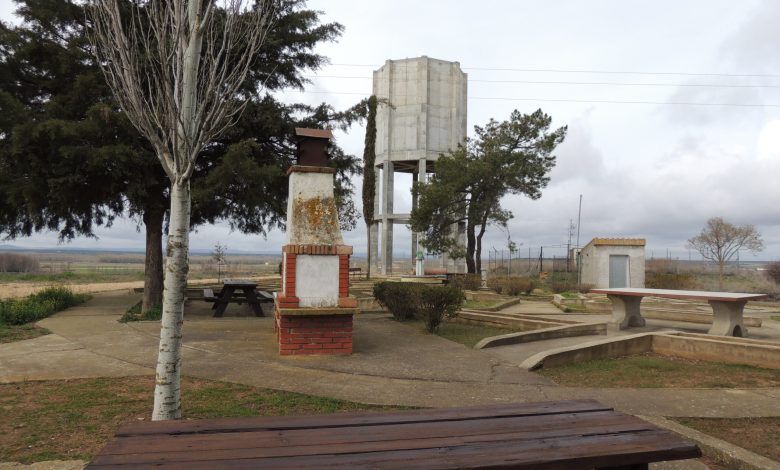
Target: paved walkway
column 393, row 364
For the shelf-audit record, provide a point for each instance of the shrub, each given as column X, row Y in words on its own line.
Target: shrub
column 773, row 271
column 18, row 263
column 496, row 284
column 401, row 298
column 518, row 285
column 469, row 281
column 562, row 286
column 37, row 306
column 670, row 281
column 585, row 288
column 436, row 302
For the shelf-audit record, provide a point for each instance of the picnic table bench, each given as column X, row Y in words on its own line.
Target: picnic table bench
column 576, row 434
column 236, row 291
column 727, row 307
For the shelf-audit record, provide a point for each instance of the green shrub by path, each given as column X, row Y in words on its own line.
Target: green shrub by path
column 429, row 303
column 400, row 298
column 437, row 303
column 134, row 314
column 38, row 306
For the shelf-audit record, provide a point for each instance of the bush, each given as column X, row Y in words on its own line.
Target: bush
column 436, row 302
column 670, row 281
column 585, row 288
column 773, row 271
column 496, row 284
column 518, row 285
column 18, row 263
column 466, row 281
column 401, row 298
column 39, row 305
column 559, row 287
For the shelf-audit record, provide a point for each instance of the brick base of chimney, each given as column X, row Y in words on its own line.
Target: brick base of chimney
column 319, row 331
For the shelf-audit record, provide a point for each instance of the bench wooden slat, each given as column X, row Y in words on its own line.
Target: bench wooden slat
column 358, row 419
column 519, row 427
column 585, row 450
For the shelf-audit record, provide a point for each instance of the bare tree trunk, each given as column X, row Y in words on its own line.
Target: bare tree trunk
column 720, row 274
column 153, row 265
column 167, row 398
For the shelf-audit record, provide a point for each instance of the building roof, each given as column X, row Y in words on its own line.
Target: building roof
column 617, row 242
column 316, row 133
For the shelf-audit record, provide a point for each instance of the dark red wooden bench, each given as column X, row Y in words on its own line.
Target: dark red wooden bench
column 579, row 434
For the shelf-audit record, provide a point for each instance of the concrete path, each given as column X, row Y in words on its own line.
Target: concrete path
column 393, row 364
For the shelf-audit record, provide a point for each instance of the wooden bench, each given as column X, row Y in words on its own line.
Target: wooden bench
column 727, row 307
column 575, row 434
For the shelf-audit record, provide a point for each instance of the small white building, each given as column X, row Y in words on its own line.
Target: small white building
column 613, row 262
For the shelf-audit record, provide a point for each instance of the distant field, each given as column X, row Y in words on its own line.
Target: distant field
column 96, row 271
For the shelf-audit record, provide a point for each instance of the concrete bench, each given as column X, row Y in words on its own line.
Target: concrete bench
column 727, row 307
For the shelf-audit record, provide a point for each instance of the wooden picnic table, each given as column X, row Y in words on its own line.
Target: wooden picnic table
column 576, row 434
column 727, row 307
column 237, row 291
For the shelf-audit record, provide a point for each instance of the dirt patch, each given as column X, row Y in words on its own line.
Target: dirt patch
column 73, row 419
column 759, row 435
column 656, row 371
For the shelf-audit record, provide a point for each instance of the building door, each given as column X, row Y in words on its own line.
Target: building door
column 618, row 271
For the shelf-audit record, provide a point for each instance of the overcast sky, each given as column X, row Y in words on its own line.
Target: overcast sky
column 647, row 162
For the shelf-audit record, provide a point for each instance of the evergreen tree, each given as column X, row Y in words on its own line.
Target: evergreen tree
column 70, row 160
column 509, row 157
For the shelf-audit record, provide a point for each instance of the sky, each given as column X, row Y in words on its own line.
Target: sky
column 672, row 108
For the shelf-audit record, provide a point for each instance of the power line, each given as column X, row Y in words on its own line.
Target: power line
column 561, row 100
column 546, row 82
column 616, row 72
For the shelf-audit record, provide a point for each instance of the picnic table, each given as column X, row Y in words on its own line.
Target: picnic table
column 727, row 307
column 563, row 435
column 236, row 291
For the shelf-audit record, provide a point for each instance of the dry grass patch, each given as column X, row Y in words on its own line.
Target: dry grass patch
column 759, row 435
column 655, row 371
column 73, row 419
column 11, row 333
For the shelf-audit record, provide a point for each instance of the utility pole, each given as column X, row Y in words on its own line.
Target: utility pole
column 579, row 218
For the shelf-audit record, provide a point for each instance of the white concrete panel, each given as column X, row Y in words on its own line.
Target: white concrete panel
column 317, row 280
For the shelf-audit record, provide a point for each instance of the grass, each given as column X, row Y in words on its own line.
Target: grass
column 655, row 371
column 11, row 333
column 134, row 314
column 76, row 277
column 73, row 419
column 468, row 335
column 775, row 317
column 469, row 303
column 759, row 435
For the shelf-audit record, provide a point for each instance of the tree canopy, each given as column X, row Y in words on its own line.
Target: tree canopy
column 71, row 161
column 720, row 240
column 508, row 157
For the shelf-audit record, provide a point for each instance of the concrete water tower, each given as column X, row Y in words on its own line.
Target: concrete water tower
column 425, row 117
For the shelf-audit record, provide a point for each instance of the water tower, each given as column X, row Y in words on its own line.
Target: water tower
column 426, row 117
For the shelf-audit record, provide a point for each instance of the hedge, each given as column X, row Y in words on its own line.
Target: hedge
column 39, row 305
column 429, row 303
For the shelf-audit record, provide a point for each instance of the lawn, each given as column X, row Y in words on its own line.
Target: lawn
column 656, row 371
column 775, row 317
column 469, row 303
column 760, row 435
column 73, row 419
column 467, row 335
column 11, row 333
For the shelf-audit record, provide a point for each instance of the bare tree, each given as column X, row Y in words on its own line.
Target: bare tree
column 720, row 241
column 176, row 68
